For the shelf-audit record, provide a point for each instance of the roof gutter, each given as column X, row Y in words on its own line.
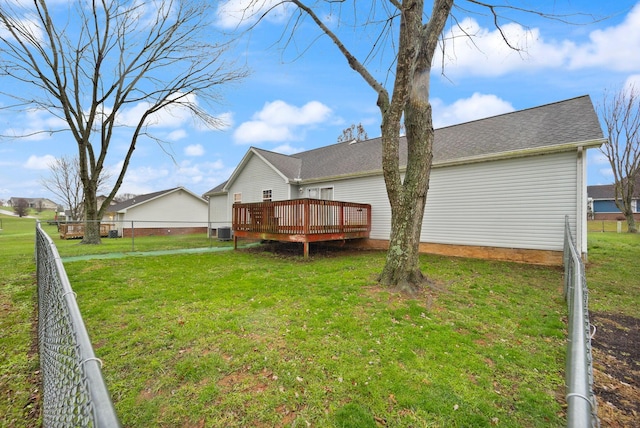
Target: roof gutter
column 544, row 150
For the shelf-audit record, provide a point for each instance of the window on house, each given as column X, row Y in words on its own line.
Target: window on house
column 266, row 195
column 320, row 193
column 237, row 198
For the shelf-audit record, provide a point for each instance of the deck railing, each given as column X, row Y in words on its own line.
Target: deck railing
column 302, row 217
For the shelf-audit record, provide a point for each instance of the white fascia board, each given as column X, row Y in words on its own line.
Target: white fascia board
column 544, row 150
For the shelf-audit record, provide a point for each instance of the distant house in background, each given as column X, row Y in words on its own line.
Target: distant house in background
column 500, row 187
column 602, row 204
column 174, row 211
column 35, row 203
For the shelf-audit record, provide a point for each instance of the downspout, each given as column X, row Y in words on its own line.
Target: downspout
column 581, row 208
column 209, row 217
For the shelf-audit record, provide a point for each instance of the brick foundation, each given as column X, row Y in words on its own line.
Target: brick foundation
column 163, row 231
column 519, row 255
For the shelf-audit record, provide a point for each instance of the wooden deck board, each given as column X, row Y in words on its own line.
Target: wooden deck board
column 302, row 220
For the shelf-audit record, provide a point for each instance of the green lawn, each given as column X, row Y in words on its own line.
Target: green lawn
column 256, row 339
column 613, row 273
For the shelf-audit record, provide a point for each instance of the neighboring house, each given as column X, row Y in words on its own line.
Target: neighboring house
column 602, row 204
column 168, row 212
column 36, row 203
column 500, row 187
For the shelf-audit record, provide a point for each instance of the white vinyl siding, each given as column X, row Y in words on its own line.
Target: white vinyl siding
column 516, row 203
column 367, row 190
column 175, row 209
column 257, row 176
column 219, row 209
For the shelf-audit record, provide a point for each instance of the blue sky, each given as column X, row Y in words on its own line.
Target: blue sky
column 302, row 97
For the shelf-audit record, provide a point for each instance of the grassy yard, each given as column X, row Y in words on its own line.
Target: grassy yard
column 253, row 338
column 613, row 273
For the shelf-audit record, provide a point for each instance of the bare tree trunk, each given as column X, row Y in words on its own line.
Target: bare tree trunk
column 92, row 221
column 408, row 197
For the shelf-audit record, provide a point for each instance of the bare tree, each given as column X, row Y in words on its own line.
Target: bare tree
column 413, row 33
column 64, row 181
column 21, row 207
column 621, row 115
column 353, row 133
column 89, row 63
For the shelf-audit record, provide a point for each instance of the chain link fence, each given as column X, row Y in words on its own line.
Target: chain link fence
column 74, row 391
column 581, row 401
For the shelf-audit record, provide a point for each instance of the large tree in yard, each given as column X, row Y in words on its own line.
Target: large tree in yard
column 621, row 114
column 107, row 68
column 413, row 31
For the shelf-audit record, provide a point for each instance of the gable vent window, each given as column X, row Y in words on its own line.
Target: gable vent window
column 266, row 195
column 237, row 198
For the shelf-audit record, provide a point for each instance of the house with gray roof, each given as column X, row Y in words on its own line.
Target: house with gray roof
column 500, row 187
column 174, row 211
column 602, row 205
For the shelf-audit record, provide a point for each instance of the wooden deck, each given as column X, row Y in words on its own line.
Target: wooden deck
column 76, row 230
column 301, row 220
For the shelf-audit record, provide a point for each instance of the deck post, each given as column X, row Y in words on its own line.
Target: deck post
column 306, row 249
column 235, row 242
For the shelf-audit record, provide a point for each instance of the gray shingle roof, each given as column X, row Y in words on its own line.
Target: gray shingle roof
column 556, row 124
column 607, row 191
column 137, row 200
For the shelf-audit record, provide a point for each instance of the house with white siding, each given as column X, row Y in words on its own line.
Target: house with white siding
column 500, row 187
column 175, row 211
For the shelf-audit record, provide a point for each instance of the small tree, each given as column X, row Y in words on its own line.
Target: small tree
column 21, row 207
column 621, row 115
column 65, row 182
column 353, row 133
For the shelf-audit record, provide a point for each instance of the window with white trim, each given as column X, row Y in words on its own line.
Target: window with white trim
column 266, row 195
column 237, row 198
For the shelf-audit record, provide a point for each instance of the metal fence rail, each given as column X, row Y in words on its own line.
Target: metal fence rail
column 74, row 391
column 581, row 401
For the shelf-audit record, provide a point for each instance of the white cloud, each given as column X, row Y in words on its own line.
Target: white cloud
column 473, row 50
column 288, row 149
column 477, row 106
column 633, row 80
column 172, row 116
column 233, row 14
column 226, row 121
column 177, row 135
column 485, row 53
column 279, row 121
column 194, row 150
column 613, row 48
column 35, row 125
column 39, row 162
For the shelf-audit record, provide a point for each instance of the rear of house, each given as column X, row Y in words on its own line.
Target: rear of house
column 500, row 187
